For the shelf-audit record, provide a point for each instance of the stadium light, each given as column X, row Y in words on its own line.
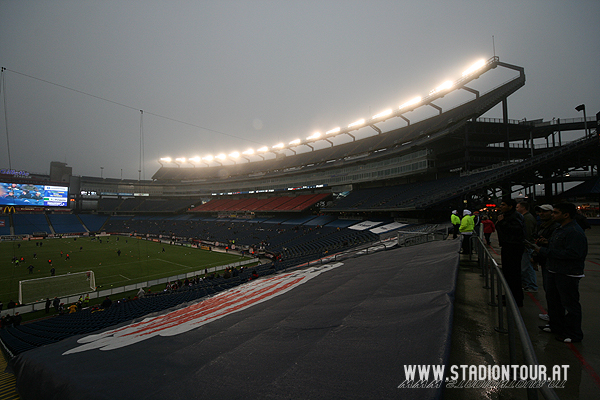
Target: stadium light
column 208, row 159
column 250, row 152
column 234, row 156
column 357, row 123
column 332, row 131
column 180, row 159
column 295, row 142
column 220, row 157
column 444, row 86
column 382, row 114
column 264, row 149
column 164, row 159
column 279, row 146
column 194, row 160
column 474, row 67
column 315, row 135
column 410, row 102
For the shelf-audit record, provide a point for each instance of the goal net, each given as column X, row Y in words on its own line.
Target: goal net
column 34, row 290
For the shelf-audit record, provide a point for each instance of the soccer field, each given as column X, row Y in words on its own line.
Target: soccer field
column 139, row 261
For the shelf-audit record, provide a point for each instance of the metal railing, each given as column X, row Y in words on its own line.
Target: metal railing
column 494, row 280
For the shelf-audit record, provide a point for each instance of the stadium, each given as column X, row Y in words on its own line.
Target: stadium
column 337, row 241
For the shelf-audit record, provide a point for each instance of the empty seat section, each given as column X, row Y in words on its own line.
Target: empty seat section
column 294, row 202
column 27, row 224
column 4, row 226
column 278, row 202
column 261, row 204
column 93, row 222
column 66, row 223
column 131, row 204
column 311, row 201
column 109, row 205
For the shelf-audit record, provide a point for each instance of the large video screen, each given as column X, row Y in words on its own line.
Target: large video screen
column 27, row 194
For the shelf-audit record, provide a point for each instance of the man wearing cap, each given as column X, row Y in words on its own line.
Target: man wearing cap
column 544, row 233
column 455, row 220
column 467, row 225
column 528, row 276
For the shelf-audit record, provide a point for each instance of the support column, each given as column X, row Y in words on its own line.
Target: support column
column 505, row 120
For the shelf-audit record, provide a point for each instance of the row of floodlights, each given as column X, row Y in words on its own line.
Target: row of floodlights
column 317, row 135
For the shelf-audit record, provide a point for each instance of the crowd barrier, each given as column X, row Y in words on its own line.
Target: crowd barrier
column 515, row 327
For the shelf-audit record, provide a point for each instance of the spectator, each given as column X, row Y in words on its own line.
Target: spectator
column 56, row 303
column 106, row 303
column 16, row 320
column 547, row 227
column 566, row 253
column 528, row 276
column 511, row 233
column 466, row 228
column 455, row 220
column 6, row 321
column 48, row 303
column 488, row 229
column 582, row 221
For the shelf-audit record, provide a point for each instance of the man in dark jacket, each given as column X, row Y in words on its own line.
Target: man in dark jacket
column 547, row 227
column 511, row 233
column 565, row 254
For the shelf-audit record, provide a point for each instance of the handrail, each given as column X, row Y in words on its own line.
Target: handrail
column 514, row 318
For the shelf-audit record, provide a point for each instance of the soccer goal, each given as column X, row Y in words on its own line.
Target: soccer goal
column 34, row 290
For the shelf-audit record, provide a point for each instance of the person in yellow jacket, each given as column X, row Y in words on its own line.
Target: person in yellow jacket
column 455, row 220
column 467, row 226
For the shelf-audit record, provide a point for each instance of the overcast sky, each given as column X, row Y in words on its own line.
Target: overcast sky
column 219, row 76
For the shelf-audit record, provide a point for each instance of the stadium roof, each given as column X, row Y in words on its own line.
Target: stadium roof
column 380, row 145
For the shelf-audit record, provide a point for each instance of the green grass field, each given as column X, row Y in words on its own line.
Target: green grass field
column 140, row 261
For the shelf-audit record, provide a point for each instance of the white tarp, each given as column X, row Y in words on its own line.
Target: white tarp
column 361, row 226
column 388, row 227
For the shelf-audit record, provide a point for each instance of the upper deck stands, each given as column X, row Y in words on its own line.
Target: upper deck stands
column 109, row 205
column 275, row 203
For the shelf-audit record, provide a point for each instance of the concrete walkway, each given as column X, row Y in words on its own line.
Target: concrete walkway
column 475, row 342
